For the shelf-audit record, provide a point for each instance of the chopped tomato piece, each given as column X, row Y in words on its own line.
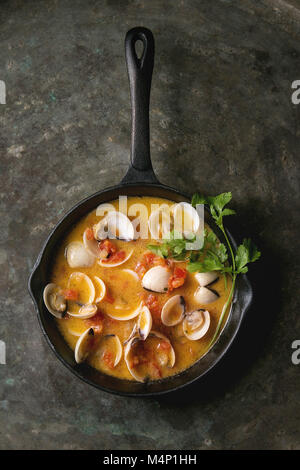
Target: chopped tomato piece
column 147, row 261
column 107, row 245
column 180, row 272
column 89, row 233
column 164, row 345
column 70, row 294
column 158, row 261
column 140, row 269
column 153, row 305
column 116, row 257
column 178, row 278
column 149, row 258
column 108, row 359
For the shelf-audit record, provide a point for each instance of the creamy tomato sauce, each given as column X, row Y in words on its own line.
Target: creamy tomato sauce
column 125, row 294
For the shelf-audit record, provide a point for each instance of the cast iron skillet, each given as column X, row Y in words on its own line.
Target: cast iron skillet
column 140, row 180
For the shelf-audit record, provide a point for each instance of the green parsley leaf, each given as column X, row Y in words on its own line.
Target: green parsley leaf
column 246, row 253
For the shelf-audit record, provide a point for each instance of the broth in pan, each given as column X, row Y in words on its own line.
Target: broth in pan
column 129, row 311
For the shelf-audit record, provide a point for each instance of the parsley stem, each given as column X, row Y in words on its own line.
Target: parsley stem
column 230, row 248
column 225, row 307
column 224, row 310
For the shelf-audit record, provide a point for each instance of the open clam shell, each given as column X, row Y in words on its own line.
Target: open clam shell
column 204, row 295
column 205, row 279
column 101, row 288
column 171, row 355
column 144, row 323
column 121, row 314
column 85, row 311
column 186, row 219
column 77, row 280
column 156, row 279
column 78, row 256
column 91, row 245
column 165, row 358
column 110, row 344
column 196, row 324
column 84, row 345
column 160, row 222
column 84, row 307
column 114, row 225
column 107, row 264
column 54, row 300
column 173, row 310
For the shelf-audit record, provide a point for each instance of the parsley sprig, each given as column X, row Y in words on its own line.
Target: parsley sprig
column 174, row 246
column 213, row 255
column 246, row 253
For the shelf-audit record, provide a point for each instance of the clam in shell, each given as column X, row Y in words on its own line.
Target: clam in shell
column 196, row 324
column 165, row 358
column 114, row 225
column 186, row 219
column 204, row 279
column 204, row 295
column 84, row 345
column 110, row 345
column 173, row 311
column 78, row 256
column 55, row 302
column 144, row 323
column 156, row 279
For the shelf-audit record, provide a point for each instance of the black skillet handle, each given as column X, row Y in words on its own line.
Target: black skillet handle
column 140, row 76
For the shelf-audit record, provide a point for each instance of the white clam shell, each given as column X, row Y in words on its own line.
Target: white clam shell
column 203, row 295
column 82, row 345
column 186, row 218
column 114, row 225
column 133, row 370
column 102, row 289
column 86, row 311
column 160, row 228
column 156, row 279
column 117, row 346
column 91, row 245
column 138, row 377
column 117, row 263
column 175, row 303
column 48, row 291
column 144, row 323
column 204, row 279
column 160, row 335
column 117, row 315
column 196, row 324
column 78, row 256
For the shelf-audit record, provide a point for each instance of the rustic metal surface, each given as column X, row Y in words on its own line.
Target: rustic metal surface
column 221, row 119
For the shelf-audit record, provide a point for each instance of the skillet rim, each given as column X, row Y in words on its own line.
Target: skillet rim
column 142, row 393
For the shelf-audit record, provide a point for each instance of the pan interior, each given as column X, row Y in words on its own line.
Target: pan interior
column 41, row 274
